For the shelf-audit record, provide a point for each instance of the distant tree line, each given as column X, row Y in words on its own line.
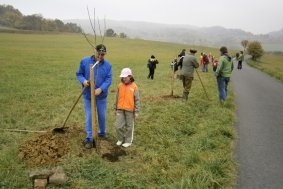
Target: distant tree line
column 111, row 33
column 13, row 18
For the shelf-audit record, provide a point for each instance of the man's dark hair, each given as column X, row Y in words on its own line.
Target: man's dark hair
column 100, row 48
column 223, row 50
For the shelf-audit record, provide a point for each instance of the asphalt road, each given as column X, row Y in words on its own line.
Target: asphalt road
column 259, row 152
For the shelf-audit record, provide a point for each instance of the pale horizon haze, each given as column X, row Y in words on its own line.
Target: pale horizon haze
column 255, row 16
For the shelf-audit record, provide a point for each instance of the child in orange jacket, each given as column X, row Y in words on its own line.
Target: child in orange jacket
column 127, row 106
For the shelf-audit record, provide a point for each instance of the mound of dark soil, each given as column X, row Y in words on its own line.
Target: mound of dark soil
column 49, row 148
column 44, row 149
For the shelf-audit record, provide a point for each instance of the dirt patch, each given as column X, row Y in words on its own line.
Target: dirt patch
column 47, row 148
column 44, row 149
column 171, row 97
column 160, row 98
column 110, row 152
column 50, row 148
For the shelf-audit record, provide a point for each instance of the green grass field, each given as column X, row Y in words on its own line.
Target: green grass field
column 177, row 144
column 271, row 64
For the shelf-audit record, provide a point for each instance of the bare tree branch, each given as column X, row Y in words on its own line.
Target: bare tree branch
column 104, row 30
column 91, row 23
column 94, row 26
column 99, row 26
column 83, row 33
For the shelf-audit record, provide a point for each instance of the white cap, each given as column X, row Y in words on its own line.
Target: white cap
column 126, row 72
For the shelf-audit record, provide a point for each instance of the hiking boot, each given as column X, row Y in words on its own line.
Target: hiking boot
column 126, row 145
column 119, row 143
column 88, row 144
column 185, row 96
column 101, row 135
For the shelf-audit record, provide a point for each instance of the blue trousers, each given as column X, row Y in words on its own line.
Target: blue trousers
column 222, row 83
column 101, row 106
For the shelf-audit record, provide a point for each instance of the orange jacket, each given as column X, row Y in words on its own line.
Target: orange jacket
column 127, row 97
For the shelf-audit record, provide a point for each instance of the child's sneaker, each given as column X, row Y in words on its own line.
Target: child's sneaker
column 126, row 145
column 119, row 143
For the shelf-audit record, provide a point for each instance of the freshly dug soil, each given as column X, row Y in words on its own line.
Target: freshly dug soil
column 49, row 148
column 46, row 148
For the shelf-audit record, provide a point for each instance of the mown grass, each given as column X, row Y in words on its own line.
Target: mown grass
column 271, row 64
column 177, row 144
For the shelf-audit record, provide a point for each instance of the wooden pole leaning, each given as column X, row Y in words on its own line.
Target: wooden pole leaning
column 93, row 111
column 172, row 80
column 202, row 85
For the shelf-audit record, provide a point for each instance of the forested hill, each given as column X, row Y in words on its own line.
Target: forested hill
column 13, row 18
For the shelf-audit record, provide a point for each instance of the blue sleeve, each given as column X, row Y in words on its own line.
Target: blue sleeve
column 81, row 72
column 108, row 80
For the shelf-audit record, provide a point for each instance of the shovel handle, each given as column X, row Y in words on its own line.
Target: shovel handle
column 73, row 107
column 22, row 130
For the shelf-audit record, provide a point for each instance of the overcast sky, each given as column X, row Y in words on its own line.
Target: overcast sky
column 256, row 16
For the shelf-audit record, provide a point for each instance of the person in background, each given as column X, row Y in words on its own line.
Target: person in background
column 201, row 60
column 187, row 73
column 205, row 62
column 223, row 73
column 214, row 64
column 103, row 79
column 181, row 56
column 240, row 60
column 151, row 64
column 127, row 107
column 174, row 66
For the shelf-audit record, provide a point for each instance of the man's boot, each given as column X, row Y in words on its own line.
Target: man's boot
column 185, row 95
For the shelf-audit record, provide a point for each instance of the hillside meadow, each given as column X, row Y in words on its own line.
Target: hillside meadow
column 177, row 144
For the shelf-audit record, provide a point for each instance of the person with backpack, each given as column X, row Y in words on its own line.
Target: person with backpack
column 151, row 64
column 223, row 73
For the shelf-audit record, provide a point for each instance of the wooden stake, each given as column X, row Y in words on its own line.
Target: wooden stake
column 172, row 80
column 93, row 110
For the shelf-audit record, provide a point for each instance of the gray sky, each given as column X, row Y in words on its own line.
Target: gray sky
column 256, row 16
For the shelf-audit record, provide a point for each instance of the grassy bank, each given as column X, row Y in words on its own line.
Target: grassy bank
column 271, row 64
column 177, row 144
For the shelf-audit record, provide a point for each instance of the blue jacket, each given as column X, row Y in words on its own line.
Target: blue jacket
column 102, row 75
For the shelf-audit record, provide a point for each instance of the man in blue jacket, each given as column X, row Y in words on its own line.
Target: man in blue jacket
column 103, row 78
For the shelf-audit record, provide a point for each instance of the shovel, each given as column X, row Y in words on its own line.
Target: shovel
column 62, row 129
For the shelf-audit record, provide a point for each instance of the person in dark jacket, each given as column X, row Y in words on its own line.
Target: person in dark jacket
column 181, row 57
column 103, row 78
column 151, row 64
column 240, row 59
